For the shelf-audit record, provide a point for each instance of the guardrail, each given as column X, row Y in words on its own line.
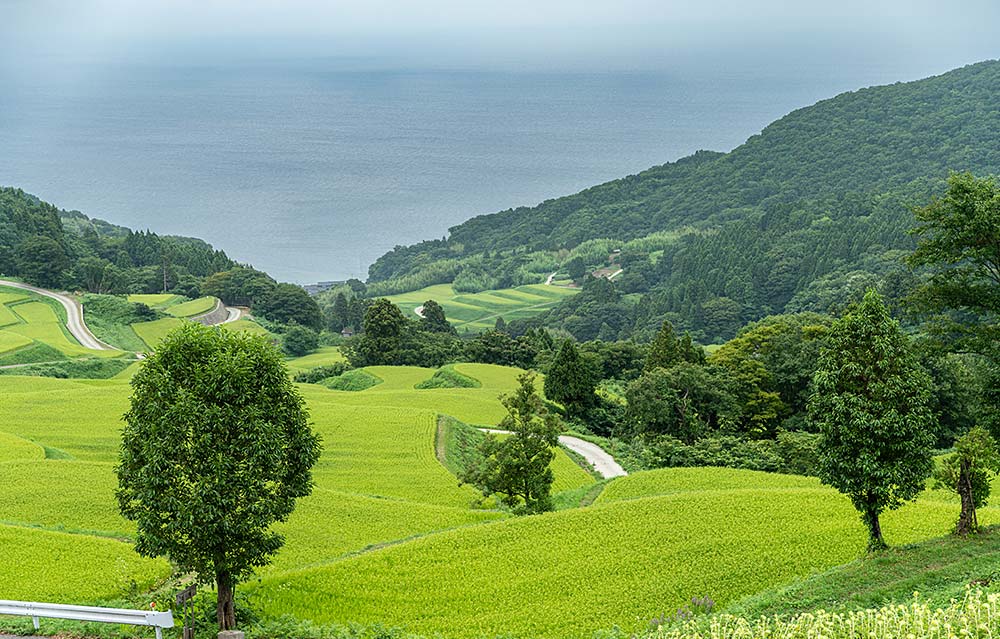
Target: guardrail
column 158, row 620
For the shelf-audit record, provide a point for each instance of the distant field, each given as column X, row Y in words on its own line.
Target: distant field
column 153, row 332
column 323, row 357
column 193, row 308
column 175, row 305
column 156, row 300
column 479, row 311
column 30, row 322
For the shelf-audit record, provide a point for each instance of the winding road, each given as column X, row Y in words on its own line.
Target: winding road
column 596, row 456
column 74, row 316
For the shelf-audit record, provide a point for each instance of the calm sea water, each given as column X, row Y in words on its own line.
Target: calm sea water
column 311, row 174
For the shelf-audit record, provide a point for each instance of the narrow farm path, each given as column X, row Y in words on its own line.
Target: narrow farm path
column 548, row 280
column 74, row 315
column 596, row 456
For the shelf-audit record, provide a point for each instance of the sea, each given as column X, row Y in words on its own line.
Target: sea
column 311, row 171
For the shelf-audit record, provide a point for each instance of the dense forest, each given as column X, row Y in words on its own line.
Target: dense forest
column 802, row 217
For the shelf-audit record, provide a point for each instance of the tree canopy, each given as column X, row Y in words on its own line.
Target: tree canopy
column 216, row 448
column 870, row 402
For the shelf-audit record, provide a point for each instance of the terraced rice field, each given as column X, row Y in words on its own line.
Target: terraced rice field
column 152, row 333
column 388, row 523
column 322, row 357
column 30, row 321
column 377, row 483
column 622, row 561
column 192, row 308
column 479, row 311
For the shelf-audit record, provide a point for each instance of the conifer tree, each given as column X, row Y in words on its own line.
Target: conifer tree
column 571, row 380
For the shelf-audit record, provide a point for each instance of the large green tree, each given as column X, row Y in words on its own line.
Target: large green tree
column 870, row 402
column 288, row 303
column 517, row 468
column 384, row 326
column 959, row 244
column 216, row 448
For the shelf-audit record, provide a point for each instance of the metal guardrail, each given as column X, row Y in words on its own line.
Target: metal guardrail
column 159, row 620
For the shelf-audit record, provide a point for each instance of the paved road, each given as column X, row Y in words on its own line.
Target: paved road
column 74, row 315
column 596, row 456
column 234, row 314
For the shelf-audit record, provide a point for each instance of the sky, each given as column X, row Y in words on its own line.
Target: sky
column 543, row 35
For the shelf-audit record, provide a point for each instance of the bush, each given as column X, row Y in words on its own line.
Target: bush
column 448, row 377
column 353, row 380
column 299, row 340
column 318, row 374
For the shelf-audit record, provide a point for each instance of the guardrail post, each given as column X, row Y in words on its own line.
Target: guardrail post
column 34, row 620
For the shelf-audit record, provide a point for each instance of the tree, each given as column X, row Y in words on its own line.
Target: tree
column 959, row 241
column 576, row 269
column 93, row 274
column 571, row 380
column 495, row 347
column 684, row 401
column 667, row 349
column 339, row 315
column 41, row 261
column 299, row 340
column 216, row 448
column 517, row 468
column 967, row 473
column 434, row 320
column 288, row 303
column 870, row 403
column 383, row 330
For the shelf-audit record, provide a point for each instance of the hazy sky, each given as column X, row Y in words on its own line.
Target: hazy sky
column 514, row 34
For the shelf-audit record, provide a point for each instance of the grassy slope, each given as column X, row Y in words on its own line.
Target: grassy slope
column 192, row 308
column 378, row 481
column 322, row 357
column 939, row 569
column 567, row 573
column 478, row 311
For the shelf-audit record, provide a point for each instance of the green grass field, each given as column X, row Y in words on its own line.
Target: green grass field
column 156, row 300
column 479, row 311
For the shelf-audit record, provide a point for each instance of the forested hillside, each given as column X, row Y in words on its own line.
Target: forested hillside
column 800, row 217
column 50, row 247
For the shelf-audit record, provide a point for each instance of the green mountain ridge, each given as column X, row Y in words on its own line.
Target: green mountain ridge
column 821, row 196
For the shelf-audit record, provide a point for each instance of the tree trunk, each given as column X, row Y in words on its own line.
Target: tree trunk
column 225, row 611
column 967, row 522
column 875, row 540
